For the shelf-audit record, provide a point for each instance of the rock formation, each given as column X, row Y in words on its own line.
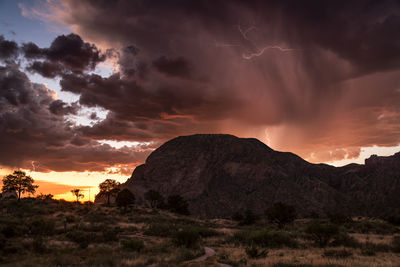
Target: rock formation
column 222, row 174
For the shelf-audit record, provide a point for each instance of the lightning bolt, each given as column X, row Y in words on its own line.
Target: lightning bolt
column 259, row 52
column 33, row 166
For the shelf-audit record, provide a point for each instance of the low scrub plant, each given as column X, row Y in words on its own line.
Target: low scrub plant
column 186, row 237
column 132, row 244
column 337, row 253
column 266, row 238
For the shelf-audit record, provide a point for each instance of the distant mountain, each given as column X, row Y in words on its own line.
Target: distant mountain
column 222, row 174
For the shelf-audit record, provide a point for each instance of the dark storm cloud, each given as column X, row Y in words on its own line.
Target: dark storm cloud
column 304, row 67
column 59, row 107
column 33, row 127
column 175, row 67
column 8, row 49
column 66, row 51
column 320, row 78
column 46, row 69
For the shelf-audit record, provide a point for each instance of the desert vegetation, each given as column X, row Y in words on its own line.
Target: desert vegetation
column 46, row 232
column 42, row 231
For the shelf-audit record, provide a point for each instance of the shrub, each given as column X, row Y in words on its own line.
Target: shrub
column 9, row 231
column 185, row 254
column 178, row 205
column 395, row 220
column 322, row 233
column 340, row 254
column 187, row 237
column 132, row 244
column 281, row 214
column 249, row 218
column 125, row 198
column 373, row 226
column 369, row 246
column 396, row 244
column 368, row 251
column 38, row 245
column 159, row 229
column 70, row 218
column 338, row 218
column 39, row 226
column 81, row 238
column 254, row 252
column 237, row 216
column 155, row 199
column 266, row 238
column 110, row 235
column 205, row 232
column 345, row 240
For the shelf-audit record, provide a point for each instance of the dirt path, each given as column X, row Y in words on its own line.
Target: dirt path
column 209, row 252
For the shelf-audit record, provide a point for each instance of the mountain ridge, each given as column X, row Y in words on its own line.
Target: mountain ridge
column 220, row 174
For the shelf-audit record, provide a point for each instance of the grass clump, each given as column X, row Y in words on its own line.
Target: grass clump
column 132, row 244
column 396, row 244
column 337, row 253
column 266, row 238
column 186, row 237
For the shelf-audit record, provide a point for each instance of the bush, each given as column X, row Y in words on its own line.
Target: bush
column 187, row 237
column 110, row 235
column 322, row 233
column 39, row 226
column 373, row 226
column 254, row 252
column 161, row 230
column 205, row 232
column 81, row 238
column 396, row 244
column 249, row 218
column 266, row 238
column 178, row 205
column 368, row 251
column 38, row 245
column 132, row 244
column 380, row 247
column 345, row 240
column 185, row 254
column 340, row 254
column 9, row 231
column 395, row 220
column 155, row 199
column 125, row 198
column 281, row 214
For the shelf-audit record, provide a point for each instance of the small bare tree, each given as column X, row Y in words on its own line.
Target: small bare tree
column 77, row 193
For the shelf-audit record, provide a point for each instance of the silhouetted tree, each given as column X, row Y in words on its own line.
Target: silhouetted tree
column 155, row 199
column 19, row 182
column 248, row 218
column 77, row 193
column 178, row 205
column 125, row 198
column 281, row 214
column 108, row 188
column 322, row 233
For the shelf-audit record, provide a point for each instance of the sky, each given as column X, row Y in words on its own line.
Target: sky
column 89, row 88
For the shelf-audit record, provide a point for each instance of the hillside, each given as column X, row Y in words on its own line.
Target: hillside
column 222, row 174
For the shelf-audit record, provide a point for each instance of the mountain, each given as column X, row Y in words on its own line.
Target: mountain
column 221, row 174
